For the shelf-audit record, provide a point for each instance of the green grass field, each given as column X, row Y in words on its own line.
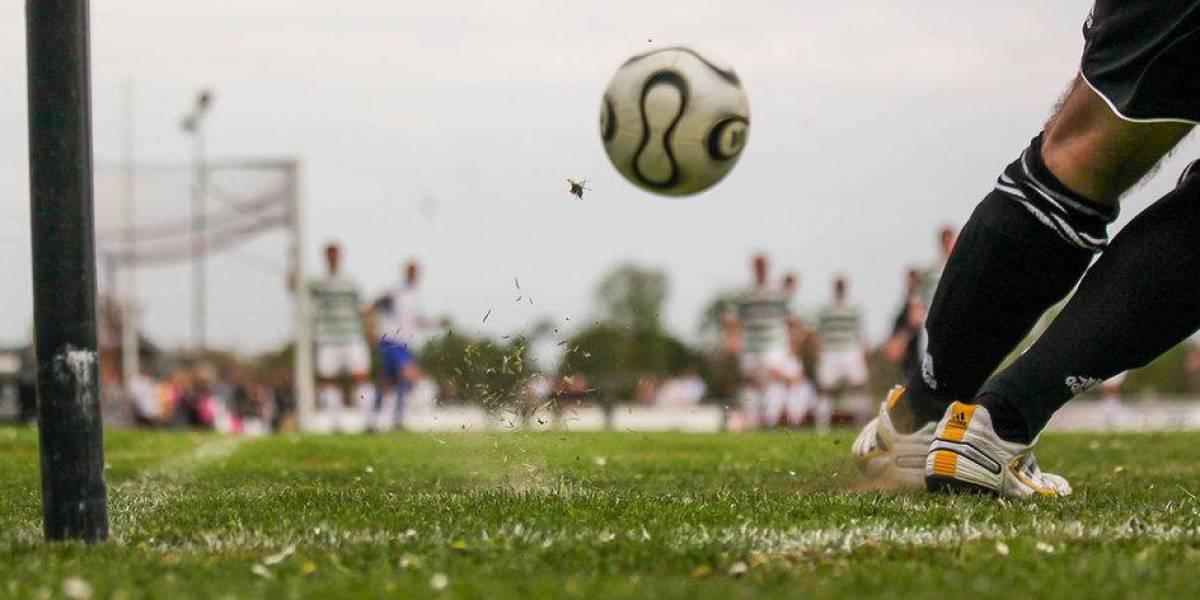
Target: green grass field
column 513, row 515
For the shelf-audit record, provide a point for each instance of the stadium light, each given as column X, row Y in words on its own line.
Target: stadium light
column 71, row 440
column 193, row 125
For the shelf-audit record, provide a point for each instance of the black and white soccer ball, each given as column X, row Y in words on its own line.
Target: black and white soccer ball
column 674, row 121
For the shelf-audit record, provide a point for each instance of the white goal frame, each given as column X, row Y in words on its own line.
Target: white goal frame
column 298, row 268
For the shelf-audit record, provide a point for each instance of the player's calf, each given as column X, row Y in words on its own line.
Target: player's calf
column 1023, row 249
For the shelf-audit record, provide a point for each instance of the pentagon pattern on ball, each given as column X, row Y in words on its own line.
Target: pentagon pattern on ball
column 674, row 121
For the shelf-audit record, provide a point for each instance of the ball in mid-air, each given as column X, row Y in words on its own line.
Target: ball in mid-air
column 674, row 121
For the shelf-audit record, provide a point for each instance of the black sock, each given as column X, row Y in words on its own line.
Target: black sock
column 1139, row 300
column 1024, row 248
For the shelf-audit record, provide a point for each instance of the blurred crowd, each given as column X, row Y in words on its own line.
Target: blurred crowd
column 228, row 400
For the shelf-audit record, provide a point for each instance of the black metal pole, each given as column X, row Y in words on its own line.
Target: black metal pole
column 64, row 271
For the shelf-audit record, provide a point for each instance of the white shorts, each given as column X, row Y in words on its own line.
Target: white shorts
column 841, row 367
column 337, row 360
column 755, row 366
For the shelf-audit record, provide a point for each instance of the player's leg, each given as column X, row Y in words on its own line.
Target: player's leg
column 775, row 390
column 1140, row 297
column 857, row 378
column 796, row 405
column 358, row 357
column 329, row 389
column 410, row 375
column 385, row 411
column 1027, row 244
column 802, row 397
column 830, row 379
column 774, row 401
column 1139, row 300
column 749, row 393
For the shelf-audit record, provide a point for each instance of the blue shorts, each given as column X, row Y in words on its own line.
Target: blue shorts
column 396, row 356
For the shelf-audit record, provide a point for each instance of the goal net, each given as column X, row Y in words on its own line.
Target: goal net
column 199, row 260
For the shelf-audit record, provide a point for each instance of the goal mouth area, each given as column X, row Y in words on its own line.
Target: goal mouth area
column 220, row 239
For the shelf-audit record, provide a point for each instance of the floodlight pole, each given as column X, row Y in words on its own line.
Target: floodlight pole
column 130, row 367
column 193, row 125
column 71, row 441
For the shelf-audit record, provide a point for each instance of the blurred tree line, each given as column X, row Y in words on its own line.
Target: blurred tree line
column 629, row 342
column 478, row 370
column 625, row 343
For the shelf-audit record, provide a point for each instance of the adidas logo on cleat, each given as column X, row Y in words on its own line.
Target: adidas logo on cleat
column 958, row 420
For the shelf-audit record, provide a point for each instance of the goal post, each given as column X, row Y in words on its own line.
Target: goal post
column 305, row 384
column 252, row 205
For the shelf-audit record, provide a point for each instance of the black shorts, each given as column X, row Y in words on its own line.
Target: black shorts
column 1143, row 57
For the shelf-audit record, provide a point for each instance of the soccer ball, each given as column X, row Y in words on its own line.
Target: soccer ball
column 674, row 121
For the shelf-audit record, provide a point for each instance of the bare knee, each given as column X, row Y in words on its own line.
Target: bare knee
column 1099, row 155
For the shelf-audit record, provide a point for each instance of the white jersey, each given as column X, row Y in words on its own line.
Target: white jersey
column 763, row 314
column 398, row 314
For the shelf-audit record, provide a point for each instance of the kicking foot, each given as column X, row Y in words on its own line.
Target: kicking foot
column 888, row 456
column 967, row 455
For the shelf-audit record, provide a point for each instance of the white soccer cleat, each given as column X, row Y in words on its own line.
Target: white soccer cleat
column 967, row 455
column 891, row 457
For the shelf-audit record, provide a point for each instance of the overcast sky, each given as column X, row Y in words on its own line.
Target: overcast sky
column 444, row 130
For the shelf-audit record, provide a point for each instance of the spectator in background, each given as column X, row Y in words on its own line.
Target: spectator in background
column 842, row 366
column 148, row 410
column 193, row 403
column 281, row 384
column 1192, row 365
column 1110, row 399
column 685, row 390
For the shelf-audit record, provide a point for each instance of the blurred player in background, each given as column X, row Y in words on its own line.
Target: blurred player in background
column 903, row 346
column 842, row 362
column 801, row 394
column 947, row 237
column 906, row 345
column 756, row 331
column 396, row 320
column 343, row 358
column 1028, row 243
column 1110, row 399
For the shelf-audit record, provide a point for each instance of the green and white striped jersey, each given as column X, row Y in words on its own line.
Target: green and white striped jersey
column 763, row 314
column 840, row 327
column 337, row 311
